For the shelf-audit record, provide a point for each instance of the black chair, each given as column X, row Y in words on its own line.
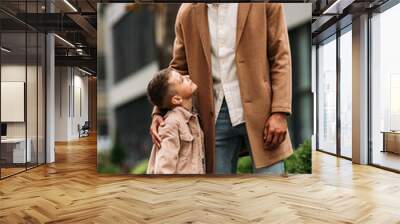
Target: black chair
column 84, row 130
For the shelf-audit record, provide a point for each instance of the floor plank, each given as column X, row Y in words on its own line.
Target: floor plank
column 71, row 191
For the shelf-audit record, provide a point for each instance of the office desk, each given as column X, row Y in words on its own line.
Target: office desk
column 391, row 141
column 13, row 150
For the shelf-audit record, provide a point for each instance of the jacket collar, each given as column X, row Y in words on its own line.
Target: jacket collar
column 184, row 112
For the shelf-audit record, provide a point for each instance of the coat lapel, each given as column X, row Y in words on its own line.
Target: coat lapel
column 243, row 11
column 202, row 27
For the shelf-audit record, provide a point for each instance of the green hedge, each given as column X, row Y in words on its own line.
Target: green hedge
column 299, row 162
column 140, row 168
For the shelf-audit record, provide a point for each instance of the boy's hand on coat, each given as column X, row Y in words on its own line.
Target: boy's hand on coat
column 275, row 130
column 157, row 121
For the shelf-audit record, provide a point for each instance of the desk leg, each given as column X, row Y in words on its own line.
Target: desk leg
column 384, row 142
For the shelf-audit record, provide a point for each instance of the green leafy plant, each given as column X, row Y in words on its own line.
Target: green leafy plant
column 108, row 169
column 117, row 154
column 244, row 165
column 300, row 160
column 140, row 168
column 105, row 166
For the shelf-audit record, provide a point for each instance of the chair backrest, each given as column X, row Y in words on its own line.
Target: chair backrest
column 86, row 125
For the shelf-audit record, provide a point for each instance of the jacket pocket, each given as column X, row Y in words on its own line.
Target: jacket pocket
column 186, row 140
column 185, row 152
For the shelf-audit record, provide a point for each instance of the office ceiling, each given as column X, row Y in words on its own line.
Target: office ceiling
column 76, row 22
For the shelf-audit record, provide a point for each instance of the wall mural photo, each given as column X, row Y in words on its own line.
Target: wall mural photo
column 197, row 88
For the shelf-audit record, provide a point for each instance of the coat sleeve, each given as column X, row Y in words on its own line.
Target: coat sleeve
column 156, row 110
column 279, row 57
column 179, row 62
column 167, row 156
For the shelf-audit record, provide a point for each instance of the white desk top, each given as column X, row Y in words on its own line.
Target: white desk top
column 13, row 140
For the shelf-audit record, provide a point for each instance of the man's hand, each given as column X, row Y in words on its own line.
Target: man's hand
column 275, row 130
column 157, row 121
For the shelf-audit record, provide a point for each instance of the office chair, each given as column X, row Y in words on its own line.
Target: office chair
column 84, row 130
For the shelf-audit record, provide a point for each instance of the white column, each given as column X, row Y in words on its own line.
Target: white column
column 50, row 100
column 314, row 92
column 360, row 90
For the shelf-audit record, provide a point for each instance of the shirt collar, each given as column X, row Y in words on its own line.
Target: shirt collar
column 216, row 5
column 185, row 113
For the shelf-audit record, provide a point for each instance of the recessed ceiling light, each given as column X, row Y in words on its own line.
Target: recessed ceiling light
column 5, row 50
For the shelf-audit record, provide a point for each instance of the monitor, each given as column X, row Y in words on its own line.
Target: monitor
column 3, row 129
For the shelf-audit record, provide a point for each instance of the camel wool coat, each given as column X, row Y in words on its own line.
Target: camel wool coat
column 263, row 64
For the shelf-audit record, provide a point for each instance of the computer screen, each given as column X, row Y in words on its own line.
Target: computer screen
column 3, row 129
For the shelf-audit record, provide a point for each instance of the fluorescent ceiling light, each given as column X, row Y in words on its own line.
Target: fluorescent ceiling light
column 338, row 6
column 70, row 5
column 84, row 71
column 5, row 49
column 65, row 41
column 331, row 7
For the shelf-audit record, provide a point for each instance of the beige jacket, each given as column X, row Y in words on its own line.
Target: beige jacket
column 182, row 145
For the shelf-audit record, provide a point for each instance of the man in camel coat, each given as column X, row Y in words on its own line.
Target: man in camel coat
column 239, row 56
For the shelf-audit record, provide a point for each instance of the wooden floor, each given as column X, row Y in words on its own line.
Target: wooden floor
column 387, row 159
column 70, row 191
column 10, row 171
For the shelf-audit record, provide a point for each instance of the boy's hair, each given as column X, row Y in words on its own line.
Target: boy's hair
column 158, row 90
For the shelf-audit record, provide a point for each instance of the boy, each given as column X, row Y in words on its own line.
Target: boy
column 182, row 148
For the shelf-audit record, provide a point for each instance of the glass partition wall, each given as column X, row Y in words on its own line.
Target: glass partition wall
column 345, row 65
column 334, row 94
column 327, row 95
column 334, row 90
column 385, row 89
column 22, row 98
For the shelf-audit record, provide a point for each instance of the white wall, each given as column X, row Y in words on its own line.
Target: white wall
column 33, row 126
column 12, row 73
column 80, row 94
column 61, row 103
column 71, row 87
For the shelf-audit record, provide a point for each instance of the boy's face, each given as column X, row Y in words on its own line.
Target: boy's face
column 182, row 85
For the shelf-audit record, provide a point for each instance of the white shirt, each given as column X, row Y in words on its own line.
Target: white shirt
column 222, row 21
